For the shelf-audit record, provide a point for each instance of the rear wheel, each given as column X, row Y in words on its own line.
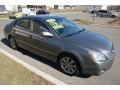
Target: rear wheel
column 13, row 43
column 69, row 65
column 113, row 16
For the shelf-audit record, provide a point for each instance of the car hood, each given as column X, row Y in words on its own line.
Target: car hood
column 91, row 40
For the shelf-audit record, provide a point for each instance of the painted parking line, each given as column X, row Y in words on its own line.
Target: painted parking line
column 33, row 69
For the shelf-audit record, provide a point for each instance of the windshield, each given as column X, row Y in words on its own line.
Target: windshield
column 64, row 27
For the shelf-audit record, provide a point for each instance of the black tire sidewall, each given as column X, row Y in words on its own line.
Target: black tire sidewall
column 14, row 41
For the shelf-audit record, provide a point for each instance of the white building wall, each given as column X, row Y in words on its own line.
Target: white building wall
column 61, row 7
column 104, row 7
column 11, row 7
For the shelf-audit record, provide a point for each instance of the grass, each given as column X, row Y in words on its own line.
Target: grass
column 84, row 22
column 12, row 73
column 3, row 16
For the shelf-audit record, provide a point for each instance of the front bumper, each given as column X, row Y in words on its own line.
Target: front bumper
column 99, row 68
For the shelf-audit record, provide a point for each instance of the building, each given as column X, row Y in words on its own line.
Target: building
column 114, row 8
column 55, row 7
column 104, row 7
column 87, row 7
column 19, row 8
column 2, row 8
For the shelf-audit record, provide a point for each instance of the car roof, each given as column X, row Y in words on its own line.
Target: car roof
column 43, row 17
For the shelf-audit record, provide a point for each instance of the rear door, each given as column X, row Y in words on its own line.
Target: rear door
column 22, row 32
column 104, row 13
column 109, row 13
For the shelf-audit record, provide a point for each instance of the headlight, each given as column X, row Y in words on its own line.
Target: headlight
column 98, row 57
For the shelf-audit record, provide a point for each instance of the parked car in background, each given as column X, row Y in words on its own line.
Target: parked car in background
column 28, row 12
column 59, row 39
column 42, row 12
column 15, row 15
column 92, row 11
column 106, row 13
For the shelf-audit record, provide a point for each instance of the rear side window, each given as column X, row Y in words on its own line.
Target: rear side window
column 102, row 11
column 24, row 23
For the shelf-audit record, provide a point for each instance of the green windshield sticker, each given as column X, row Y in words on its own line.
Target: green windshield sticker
column 54, row 24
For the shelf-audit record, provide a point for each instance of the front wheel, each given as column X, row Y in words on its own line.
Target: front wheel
column 69, row 65
column 13, row 43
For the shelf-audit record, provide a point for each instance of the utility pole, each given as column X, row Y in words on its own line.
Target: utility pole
column 14, row 8
column 94, row 12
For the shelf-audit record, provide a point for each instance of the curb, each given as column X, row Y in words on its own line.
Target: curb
column 33, row 69
column 106, row 26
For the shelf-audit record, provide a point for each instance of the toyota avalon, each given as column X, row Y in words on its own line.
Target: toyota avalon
column 60, row 40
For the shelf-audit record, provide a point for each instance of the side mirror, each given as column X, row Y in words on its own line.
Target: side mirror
column 47, row 34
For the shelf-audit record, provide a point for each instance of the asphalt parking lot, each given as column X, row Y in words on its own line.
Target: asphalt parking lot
column 109, row 77
column 86, row 16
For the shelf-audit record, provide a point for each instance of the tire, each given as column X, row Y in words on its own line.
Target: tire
column 9, row 17
column 14, row 17
column 113, row 16
column 69, row 65
column 13, row 43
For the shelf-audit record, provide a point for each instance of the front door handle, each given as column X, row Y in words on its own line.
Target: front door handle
column 38, row 38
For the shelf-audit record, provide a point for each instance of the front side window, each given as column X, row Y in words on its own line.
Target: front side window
column 24, row 23
column 38, row 27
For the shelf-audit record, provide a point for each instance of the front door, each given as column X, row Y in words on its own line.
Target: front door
column 44, row 46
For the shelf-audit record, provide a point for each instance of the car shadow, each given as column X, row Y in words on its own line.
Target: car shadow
column 40, row 59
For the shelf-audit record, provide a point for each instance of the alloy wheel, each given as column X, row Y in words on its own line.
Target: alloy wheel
column 68, row 65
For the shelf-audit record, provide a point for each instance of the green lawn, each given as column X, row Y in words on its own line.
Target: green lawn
column 4, row 16
column 14, row 73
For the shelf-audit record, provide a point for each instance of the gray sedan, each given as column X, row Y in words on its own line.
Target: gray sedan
column 106, row 13
column 73, row 48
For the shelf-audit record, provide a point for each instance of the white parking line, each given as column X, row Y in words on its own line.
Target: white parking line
column 33, row 69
